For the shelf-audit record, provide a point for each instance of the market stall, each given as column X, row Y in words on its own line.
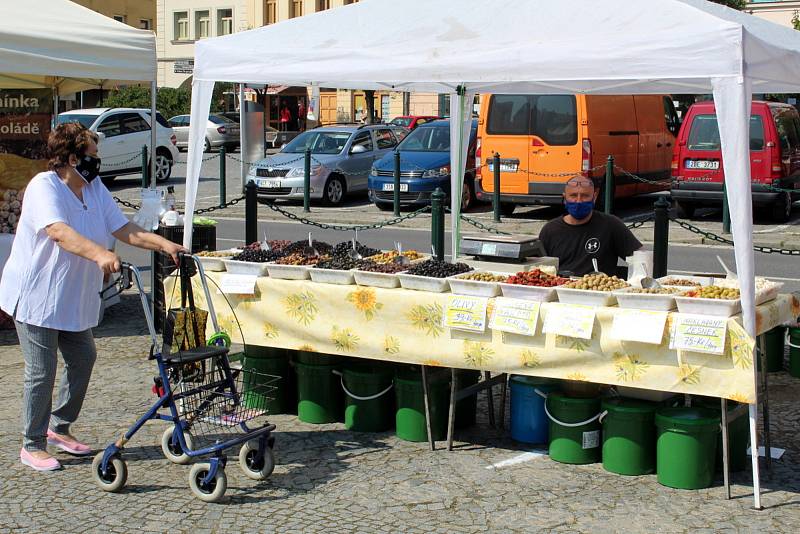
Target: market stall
column 610, row 47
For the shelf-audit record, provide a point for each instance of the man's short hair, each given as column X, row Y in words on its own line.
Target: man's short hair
column 580, row 180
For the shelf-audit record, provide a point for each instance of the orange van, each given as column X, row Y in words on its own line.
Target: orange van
column 544, row 139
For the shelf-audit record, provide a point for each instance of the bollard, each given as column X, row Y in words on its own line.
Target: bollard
column 660, row 237
column 222, row 160
column 307, row 182
column 145, row 169
column 496, row 192
column 608, row 206
column 396, row 195
column 250, row 213
column 726, row 212
column 437, row 223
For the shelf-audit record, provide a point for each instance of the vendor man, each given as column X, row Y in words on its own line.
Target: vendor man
column 583, row 233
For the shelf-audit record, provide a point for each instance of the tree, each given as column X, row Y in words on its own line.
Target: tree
column 169, row 101
column 796, row 20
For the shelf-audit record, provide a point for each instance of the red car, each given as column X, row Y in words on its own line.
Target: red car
column 411, row 121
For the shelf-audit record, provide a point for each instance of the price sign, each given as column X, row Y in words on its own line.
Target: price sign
column 466, row 313
column 639, row 325
column 238, row 284
column 515, row 316
column 698, row 333
column 572, row 320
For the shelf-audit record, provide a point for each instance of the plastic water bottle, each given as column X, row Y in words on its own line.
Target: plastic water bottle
column 169, row 200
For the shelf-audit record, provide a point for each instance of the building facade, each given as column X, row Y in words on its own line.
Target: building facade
column 137, row 13
column 780, row 12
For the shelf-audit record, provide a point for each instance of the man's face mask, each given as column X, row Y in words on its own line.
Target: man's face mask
column 88, row 167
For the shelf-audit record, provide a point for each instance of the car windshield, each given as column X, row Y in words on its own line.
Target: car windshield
column 85, row 120
column 405, row 122
column 318, row 142
column 427, row 139
column 704, row 134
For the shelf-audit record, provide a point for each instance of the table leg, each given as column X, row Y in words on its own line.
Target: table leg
column 451, row 419
column 490, row 398
column 726, row 472
column 425, row 393
column 762, row 347
column 503, row 394
column 753, row 408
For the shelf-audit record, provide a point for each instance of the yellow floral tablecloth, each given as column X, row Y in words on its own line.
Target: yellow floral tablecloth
column 405, row 326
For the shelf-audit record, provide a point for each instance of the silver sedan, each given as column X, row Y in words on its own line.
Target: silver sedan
column 220, row 131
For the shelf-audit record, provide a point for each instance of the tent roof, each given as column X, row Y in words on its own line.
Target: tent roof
column 57, row 43
column 569, row 46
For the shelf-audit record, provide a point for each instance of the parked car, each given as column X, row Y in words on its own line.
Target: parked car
column 341, row 159
column 542, row 139
column 123, row 132
column 410, row 122
column 774, row 159
column 220, row 131
column 424, row 166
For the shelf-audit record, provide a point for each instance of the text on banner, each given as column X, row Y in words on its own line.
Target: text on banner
column 698, row 333
column 237, row 284
column 515, row 316
column 466, row 313
column 571, row 320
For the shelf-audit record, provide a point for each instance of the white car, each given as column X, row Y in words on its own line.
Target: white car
column 123, row 133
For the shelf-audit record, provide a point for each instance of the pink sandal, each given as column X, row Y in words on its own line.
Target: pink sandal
column 67, row 444
column 39, row 464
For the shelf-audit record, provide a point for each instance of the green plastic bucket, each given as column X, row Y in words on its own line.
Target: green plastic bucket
column 574, row 428
column 319, row 393
column 775, row 348
column 316, row 358
column 687, row 446
column 629, row 436
column 738, row 435
column 275, row 362
column 466, row 408
column 794, row 351
column 410, row 416
column 369, row 405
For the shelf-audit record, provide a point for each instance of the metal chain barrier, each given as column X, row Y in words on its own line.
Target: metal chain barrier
column 719, row 239
column 344, row 227
column 228, row 204
column 208, row 158
column 127, row 204
column 137, row 156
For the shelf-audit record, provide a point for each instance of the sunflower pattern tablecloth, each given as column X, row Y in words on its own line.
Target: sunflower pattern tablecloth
column 406, row 326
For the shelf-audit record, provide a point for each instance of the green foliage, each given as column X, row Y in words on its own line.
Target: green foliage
column 169, row 101
column 796, row 20
column 735, row 4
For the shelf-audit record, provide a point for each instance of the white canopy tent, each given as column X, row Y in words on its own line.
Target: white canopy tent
column 463, row 47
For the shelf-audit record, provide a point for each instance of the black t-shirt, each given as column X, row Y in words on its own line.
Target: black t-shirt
column 604, row 237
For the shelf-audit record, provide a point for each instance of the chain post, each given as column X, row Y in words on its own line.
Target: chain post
column 396, row 195
column 145, row 169
column 608, row 205
column 250, row 213
column 726, row 212
column 222, row 161
column 660, row 237
column 437, row 222
column 307, row 182
column 496, row 192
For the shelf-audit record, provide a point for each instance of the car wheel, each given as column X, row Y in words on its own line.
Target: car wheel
column 334, row 191
column 782, row 209
column 207, row 145
column 467, row 196
column 383, row 206
column 163, row 166
column 684, row 210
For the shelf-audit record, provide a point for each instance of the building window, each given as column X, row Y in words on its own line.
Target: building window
column 347, row 2
column 120, row 18
column 224, row 21
column 202, row 24
column 144, row 24
column 181, row 26
column 322, row 5
column 271, row 12
column 297, row 9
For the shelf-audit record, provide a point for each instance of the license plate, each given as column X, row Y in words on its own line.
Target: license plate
column 269, row 184
column 390, row 187
column 702, row 164
column 505, row 167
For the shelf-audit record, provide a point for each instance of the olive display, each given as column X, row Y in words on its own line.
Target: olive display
column 344, row 248
column 300, row 259
column 438, row 269
column 656, row 291
column 389, row 256
column 714, row 292
column 387, row 268
column 679, row 282
column 536, row 277
column 299, row 246
column 484, row 277
column 257, row 255
column 597, row 282
column 343, row 263
column 215, row 254
column 279, row 244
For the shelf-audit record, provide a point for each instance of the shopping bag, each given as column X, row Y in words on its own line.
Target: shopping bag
column 185, row 327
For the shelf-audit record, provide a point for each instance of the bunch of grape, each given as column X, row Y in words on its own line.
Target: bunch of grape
column 536, row 278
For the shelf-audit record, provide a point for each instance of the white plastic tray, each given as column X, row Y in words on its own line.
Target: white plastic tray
column 288, row 272
column 385, row 280
column 332, row 276
column 519, row 291
column 210, row 263
column 586, row 297
column 475, row 288
column 716, row 307
column 423, row 283
column 245, row 267
column 701, row 280
column 644, row 301
column 768, row 294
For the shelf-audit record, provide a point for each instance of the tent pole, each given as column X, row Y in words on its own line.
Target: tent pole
column 153, row 126
column 242, row 136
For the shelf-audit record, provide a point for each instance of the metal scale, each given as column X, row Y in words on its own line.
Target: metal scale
column 502, row 248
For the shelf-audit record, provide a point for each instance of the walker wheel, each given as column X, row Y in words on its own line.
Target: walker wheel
column 115, row 476
column 173, row 451
column 256, row 464
column 214, row 490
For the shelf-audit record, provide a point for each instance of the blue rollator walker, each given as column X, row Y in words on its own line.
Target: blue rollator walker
column 207, row 400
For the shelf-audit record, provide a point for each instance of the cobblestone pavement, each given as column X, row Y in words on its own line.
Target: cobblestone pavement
column 332, row 480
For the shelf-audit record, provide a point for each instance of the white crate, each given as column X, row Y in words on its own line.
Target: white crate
column 715, row 307
column 246, row 267
column 475, row 288
column 288, row 272
column 384, row 280
column 520, row 291
column 423, row 283
column 644, row 301
column 585, row 297
column 332, row 276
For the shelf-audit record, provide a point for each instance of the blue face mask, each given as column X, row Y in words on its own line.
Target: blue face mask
column 580, row 210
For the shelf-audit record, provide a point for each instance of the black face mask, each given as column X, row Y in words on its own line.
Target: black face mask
column 88, row 167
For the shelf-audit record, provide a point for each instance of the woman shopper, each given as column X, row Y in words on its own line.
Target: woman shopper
column 51, row 286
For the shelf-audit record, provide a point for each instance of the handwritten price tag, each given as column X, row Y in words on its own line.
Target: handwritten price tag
column 698, row 333
column 638, row 325
column 572, row 320
column 238, row 284
column 515, row 316
column 466, row 313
